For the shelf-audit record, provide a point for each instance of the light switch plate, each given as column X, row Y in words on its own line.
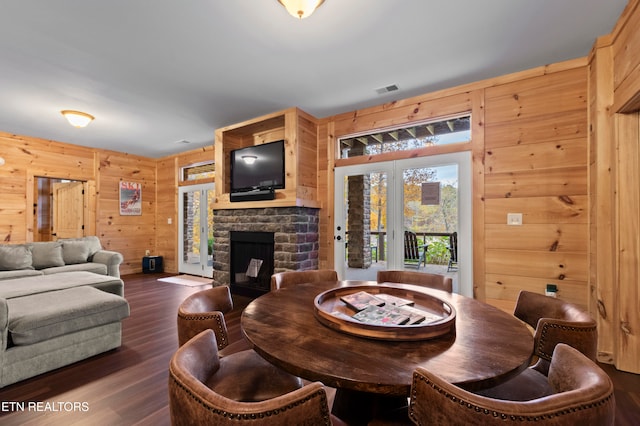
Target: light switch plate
column 514, row 219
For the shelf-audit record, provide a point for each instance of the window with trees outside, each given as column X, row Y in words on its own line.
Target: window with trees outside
column 429, row 191
column 418, row 135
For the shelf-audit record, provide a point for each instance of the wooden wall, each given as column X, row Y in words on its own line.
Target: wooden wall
column 614, row 102
column 536, row 164
column 529, row 155
column 27, row 158
column 130, row 235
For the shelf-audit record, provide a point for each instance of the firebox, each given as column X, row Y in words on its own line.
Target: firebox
column 251, row 262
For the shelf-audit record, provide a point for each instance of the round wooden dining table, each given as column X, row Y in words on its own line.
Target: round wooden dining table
column 487, row 347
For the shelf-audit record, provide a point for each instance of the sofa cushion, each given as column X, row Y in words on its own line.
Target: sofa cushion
column 47, row 254
column 96, row 268
column 18, row 273
column 40, row 317
column 75, row 252
column 91, row 241
column 15, row 256
column 24, row 286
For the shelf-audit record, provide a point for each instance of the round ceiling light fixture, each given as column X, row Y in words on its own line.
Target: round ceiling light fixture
column 301, row 8
column 77, row 118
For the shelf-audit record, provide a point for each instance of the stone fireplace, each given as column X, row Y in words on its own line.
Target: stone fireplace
column 295, row 244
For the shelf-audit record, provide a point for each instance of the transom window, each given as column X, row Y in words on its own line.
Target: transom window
column 437, row 132
column 198, row 171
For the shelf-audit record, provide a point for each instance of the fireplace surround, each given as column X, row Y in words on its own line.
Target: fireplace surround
column 295, row 240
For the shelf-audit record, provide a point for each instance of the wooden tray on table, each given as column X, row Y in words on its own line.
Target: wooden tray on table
column 331, row 310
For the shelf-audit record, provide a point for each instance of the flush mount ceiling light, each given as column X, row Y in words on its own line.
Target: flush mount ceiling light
column 301, row 8
column 249, row 159
column 77, row 118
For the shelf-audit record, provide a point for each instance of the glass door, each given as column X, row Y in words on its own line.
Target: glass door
column 195, row 243
column 362, row 213
column 409, row 210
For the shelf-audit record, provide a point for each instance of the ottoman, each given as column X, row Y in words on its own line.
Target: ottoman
column 43, row 316
column 48, row 330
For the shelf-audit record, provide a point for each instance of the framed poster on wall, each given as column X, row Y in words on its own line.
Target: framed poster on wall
column 130, row 199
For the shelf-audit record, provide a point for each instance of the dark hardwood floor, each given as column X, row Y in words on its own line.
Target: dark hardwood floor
column 128, row 386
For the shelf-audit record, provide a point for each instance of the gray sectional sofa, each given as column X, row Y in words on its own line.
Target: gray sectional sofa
column 59, row 303
column 52, row 257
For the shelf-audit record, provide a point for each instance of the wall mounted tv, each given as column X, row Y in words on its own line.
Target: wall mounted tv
column 258, row 167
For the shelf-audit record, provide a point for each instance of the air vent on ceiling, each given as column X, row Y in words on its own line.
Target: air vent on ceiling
column 387, row 89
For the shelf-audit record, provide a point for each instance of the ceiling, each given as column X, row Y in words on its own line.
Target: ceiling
column 157, row 73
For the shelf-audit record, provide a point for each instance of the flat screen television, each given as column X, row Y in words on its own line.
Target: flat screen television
column 258, row 167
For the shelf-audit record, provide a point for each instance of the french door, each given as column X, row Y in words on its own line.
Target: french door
column 376, row 203
column 195, row 242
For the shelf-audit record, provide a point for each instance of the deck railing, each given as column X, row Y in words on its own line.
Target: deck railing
column 379, row 238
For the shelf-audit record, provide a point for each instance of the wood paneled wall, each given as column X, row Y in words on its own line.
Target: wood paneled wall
column 536, row 164
column 130, row 235
column 614, row 101
column 529, row 155
column 27, row 158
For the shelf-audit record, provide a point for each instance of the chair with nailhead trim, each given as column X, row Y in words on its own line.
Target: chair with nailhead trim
column 287, row 278
column 207, row 389
column 205, row 310
column 582, row 395
column 425, row 279
column 555, row 321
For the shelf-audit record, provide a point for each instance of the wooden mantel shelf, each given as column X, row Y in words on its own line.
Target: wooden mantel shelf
column 266, row 204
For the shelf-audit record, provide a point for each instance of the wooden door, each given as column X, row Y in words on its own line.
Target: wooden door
column 68, row 210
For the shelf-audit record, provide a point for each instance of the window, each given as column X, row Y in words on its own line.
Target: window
column 438, row 132
column 198, row 171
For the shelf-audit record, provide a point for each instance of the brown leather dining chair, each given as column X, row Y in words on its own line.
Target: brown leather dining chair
column 555, row 321
column 582, row 395
column 287, row 278
column 205, row 310
column 207, row 389
column 436, row 281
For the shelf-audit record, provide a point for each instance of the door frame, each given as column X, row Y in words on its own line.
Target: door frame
column 395, row 193
column 182, row 266
column 90, row 202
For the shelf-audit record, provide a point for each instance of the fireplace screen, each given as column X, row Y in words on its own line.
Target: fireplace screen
column 251, row 262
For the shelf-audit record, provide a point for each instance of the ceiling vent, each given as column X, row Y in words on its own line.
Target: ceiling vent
column 387, row 89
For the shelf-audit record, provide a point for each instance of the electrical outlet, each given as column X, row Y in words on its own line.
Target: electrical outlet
column 169, row 221
column 147, row 252
column 514, row 219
